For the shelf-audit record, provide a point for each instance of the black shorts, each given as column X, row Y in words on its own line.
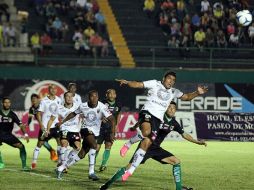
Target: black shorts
column 71, row 137
column 85, row 133
column 156, row 153
column 53, row 133
column 145, row 116
column 9, row 139
column 104, row 136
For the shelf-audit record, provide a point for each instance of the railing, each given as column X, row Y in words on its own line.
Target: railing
column 153, row 57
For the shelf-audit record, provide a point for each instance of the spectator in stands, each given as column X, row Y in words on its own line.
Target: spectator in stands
column 81, row 3
column 205, row 5
column 73, row 4
column 35, row 43
column 95, row 6
column 149, row 7
column 96, row 44
column 23, row 34
column 11, row 35
column 186, row 30
column 50, row 10
column 221, row 39
column 214, row 24
column 173, row 42
column 39, row 6
column 251, row 33
column 88, row 32
column 49, row 28
column 167, row 5
column 234, row 40
column 230, row 29
column 46, row 43
column 164, row 24
column 82, row 46
column 57, row 26
column 218, row 13
column 104, row 49
column 175, row 28
column 90, row 19
column 1, row 35
column 77, row 35
column 210, row 39
column 64, row 30
column 199, row 38
column 195, row 22
column 180, row 10
column 4, row 10
column 205, row 20
column 101, row 24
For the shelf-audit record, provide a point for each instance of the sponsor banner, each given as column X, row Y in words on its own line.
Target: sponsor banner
column 220, row 97
column 225, row 126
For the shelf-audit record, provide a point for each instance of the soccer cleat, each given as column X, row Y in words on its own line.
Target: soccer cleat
column 53, row 155
column 126, row 175
column 186, row 188
column 93, row 177
column 2, row 165
column 26, row 169
column 102, row 168
column 124, row 150
column 59, row 174
column 104, row 187
column 33, row 166
column 65, row 171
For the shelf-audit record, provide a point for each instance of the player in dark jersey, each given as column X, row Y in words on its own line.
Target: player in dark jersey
column 33, row 110
column 159, row 154
column 7, row 120
column 105, row 131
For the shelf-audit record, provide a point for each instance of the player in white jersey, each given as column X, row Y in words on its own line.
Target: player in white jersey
column 47, row 107
column 72, row 87
column 93, row 111
column 160, row 94
column 69, row 131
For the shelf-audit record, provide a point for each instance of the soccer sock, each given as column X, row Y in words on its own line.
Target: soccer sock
column 91, row 154
column 177, row 176
column 22, row 153
column 105, row 157
column 62, row 154
column 116, row 176
column 72, row 159
column 36, row 154
column 136, row 138
column 47, row 146
column 138, row 157
column 1, row 160
column 59, row 154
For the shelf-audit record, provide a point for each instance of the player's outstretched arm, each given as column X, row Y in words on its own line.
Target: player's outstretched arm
column 131, row 84
column 190, row 139
column 189, row 96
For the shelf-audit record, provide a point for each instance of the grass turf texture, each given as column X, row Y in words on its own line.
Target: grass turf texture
column 220, row 166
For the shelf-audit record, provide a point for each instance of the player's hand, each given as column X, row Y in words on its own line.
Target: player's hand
column 122, row 81
column 133, row 128
column 202, row 142
column 26, row 137
column 202, row 89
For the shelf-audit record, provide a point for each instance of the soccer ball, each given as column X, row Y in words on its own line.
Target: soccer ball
column 244, row 17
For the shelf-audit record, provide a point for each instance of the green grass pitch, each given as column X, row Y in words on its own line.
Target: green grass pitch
column 219, row 166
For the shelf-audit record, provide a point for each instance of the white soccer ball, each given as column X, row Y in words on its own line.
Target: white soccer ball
column 244, row 17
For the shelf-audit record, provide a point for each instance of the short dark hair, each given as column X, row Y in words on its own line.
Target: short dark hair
column 170, row 73
column 172, row 102
column 34, row 96
column 5, row 98
column 71, row 84
column 66, row 93
column 91, row 92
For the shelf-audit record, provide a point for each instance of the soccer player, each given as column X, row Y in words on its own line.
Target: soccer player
column 7, row 120
column 105, row 131
column 48, row 106
column 72, row 87
column 69, row 131
column 159, row 154
column 93, row 112
column 33, row 110
column 160, row 94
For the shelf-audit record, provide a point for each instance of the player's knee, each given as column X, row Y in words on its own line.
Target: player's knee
column 81, row 154
column 94, row 146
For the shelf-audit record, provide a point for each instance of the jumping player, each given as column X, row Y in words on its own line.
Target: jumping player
column 105, row 131
column 160, row 94
column 48, row 106
column 93, row 111
column 7, row 120
column 159, row 154
column 33, row 110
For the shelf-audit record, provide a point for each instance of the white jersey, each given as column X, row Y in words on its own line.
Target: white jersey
column 49, row 107
column 93, row 116
column 76, row 99
column 73, row 124
column 159, row 98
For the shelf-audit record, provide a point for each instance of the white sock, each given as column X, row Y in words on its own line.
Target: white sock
column 36, row 154
column 136, row 138
column 72, row 159
column 62, row 154
column 92, row 154
column 59, row 154
column 138, row 157
column 66, row 154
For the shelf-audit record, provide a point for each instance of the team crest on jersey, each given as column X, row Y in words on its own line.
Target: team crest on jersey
column 98, row 110
column 91, row 116
column 53, row 108
column 163, row 94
